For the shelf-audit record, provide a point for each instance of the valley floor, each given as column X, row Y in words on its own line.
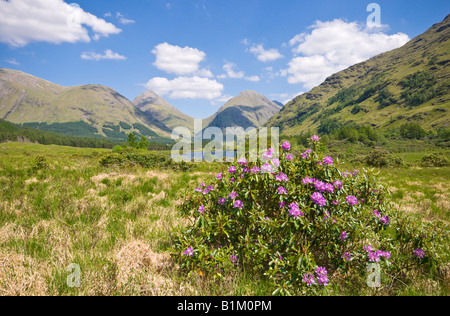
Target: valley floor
column 59, row 207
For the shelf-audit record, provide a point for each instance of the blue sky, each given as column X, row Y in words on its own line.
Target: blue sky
column 197, row 54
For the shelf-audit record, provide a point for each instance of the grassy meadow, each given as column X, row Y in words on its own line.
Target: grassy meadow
column 59, row 206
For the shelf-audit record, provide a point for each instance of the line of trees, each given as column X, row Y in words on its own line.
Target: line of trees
column 14, row 132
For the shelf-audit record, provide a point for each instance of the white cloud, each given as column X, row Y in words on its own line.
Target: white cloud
column 236, row 74
column 221, row 100
column 253, row 78
column 12, row 61
column 231, row 73
column 285, row 97
column 334, row 46
column 265, row 55
column 53, row 21
column 124, row 20
column 204, row 73
column 186, row 87
column 177, row 60
column 108, row 55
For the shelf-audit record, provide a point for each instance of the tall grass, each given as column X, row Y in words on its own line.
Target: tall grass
column 116, row 224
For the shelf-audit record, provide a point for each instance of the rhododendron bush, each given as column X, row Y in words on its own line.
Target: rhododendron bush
column 303, row 223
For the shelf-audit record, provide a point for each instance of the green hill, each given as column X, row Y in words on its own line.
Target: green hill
column 13, row 132
column 407, row 85
column 86, row 111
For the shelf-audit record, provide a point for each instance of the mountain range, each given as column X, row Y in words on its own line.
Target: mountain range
column 408, row 84
column 99, row 111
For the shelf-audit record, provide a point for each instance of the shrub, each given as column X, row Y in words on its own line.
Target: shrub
column 303, row 225
column 412, row 131
column 143, row 159
column 117, row 149
column 435, row 160
column 383, row 158
column 40, row 163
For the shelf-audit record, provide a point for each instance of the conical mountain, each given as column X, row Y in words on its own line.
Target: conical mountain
column 151, row 103
column 248, row 109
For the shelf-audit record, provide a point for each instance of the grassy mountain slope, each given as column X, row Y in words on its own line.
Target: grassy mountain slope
column 248, row 109
column 155, row 106
column 95, row 110
column 408, row 84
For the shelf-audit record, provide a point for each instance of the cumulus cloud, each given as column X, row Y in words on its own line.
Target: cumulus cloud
column 186, row 87
column 265, row 55
column 108, row 55
column 123, row 19
column 53, row 21
column 334, row 46
column 236, row 74
column 178, row 60
column 253, row 78
column 231, row 73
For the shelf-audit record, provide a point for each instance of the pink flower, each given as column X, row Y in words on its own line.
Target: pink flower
column 346, row 256
column 343, row 236
column 419, row 253
column 281, row 177
column 318, row 199
column 306, row 154
column 338, row 184
column 282, row 191
column 188, row 252
column 238, row 204
column 255, row 170
column 232, row 170
column 242, row 161
column 308, row 278
column 351, row 200
column 219, row 176
column 328, row 161
column 315, row 138
column 385, row 220
column 294, row 210
column 289, row 157
column 266, row 168
column 276, row 162
column 201, row 209
column 233, row 195
column 268, row 154
column 286, row 146
column 222, row 201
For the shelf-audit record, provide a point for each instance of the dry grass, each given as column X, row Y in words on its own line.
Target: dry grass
column 21, row 275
